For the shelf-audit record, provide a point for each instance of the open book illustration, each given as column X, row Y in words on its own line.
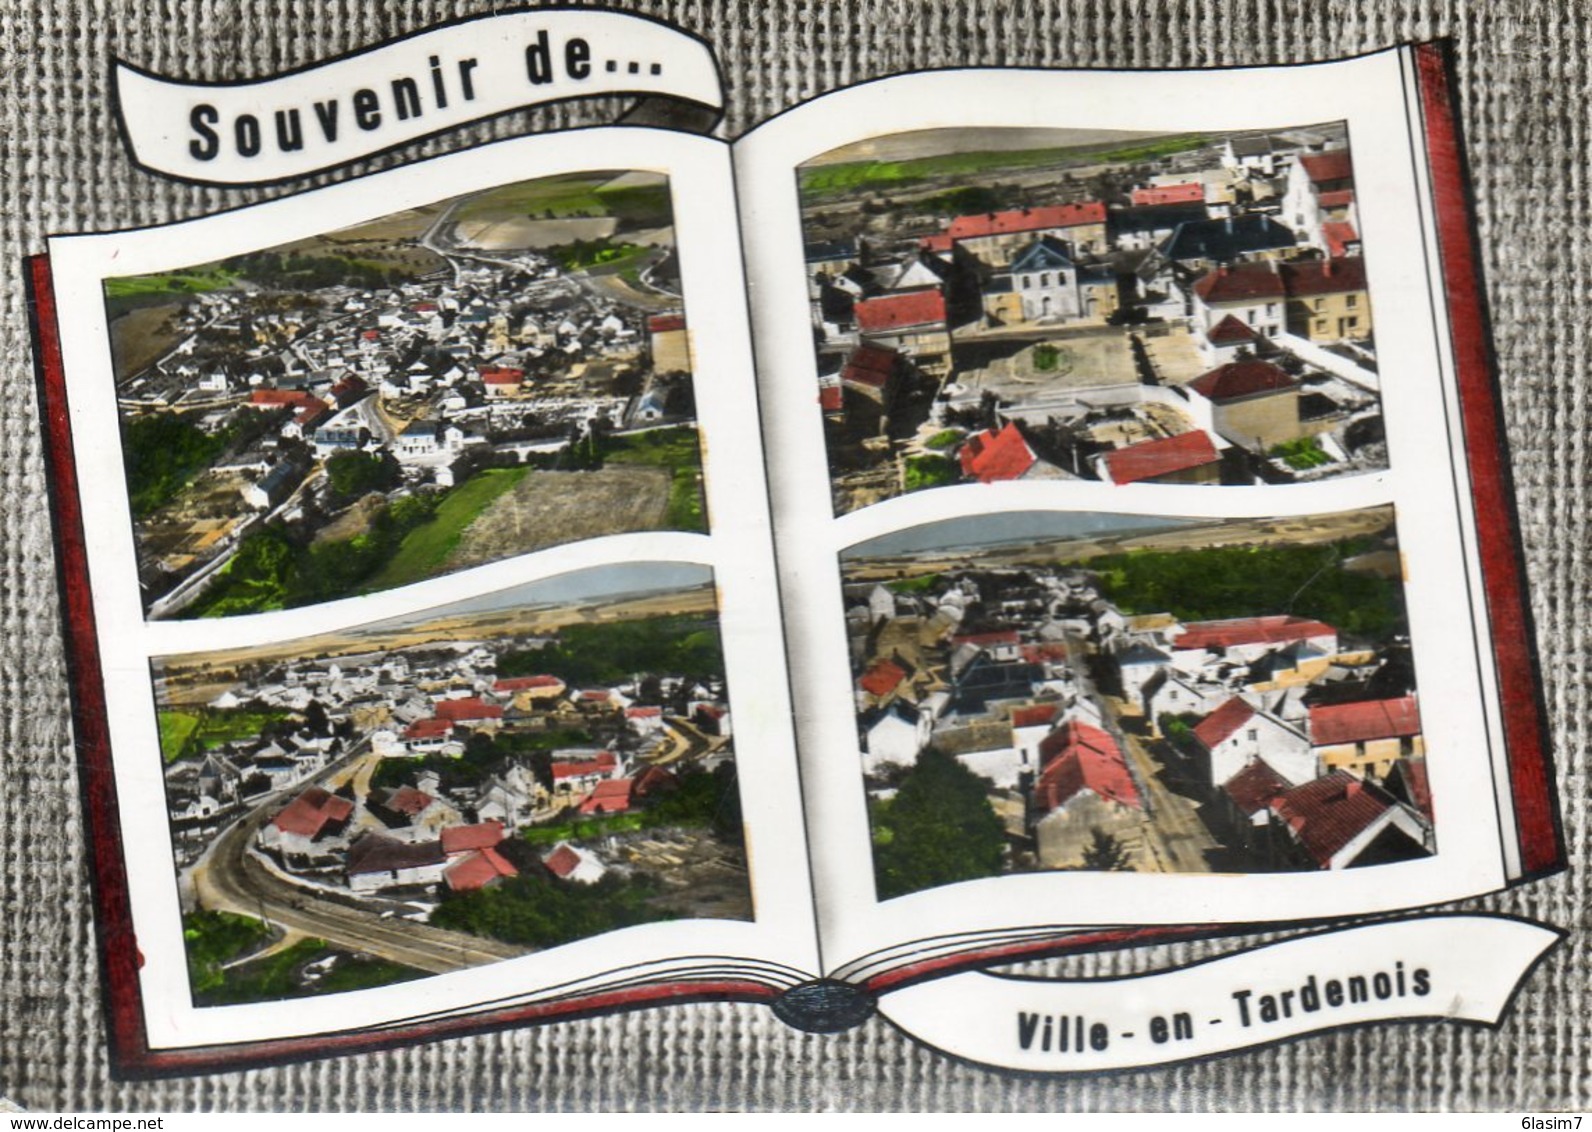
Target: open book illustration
column 974, row 515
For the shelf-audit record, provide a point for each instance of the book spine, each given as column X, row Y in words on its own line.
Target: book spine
column 1540, row 835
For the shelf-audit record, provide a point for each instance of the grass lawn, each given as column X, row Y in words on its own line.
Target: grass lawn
column 176, row 728
column 278, row 976
column 677, row 449
column 170, row 282
column 425, row 549
column 189, row 734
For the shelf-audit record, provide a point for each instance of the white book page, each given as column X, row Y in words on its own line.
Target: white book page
column 1424, row 481
column 776, row 945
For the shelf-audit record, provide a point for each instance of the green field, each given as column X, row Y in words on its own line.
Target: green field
column 575, row 194
column 214, row 939
column 425, row 550
column 849, row 176
column 189, row 734
column 169, row 283
column 677, row 449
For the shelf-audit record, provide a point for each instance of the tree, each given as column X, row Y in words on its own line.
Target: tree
column 938, row 829
column 1107, row 854
column 354, row 474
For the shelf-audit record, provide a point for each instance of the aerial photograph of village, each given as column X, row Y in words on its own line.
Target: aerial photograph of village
column 1113, row 692
column 509, row 774
column 1009, row 304
column 442, row 387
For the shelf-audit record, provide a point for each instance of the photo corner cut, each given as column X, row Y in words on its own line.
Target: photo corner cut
column 974, row 516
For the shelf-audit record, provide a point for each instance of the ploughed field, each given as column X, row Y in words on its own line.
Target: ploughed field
column 547, row 508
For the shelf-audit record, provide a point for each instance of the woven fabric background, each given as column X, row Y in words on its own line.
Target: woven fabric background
column 1523, row 71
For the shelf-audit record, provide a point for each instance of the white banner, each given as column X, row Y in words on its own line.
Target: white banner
column 1451, row 968
column 338, row 111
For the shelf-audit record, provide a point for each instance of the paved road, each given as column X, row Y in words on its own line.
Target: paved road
column 1176, row 837
column 229, row 879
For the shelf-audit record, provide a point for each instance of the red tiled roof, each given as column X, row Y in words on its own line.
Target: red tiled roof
column 502, row 375
column 1242, row 379
column 882, row 678
column 1230, row 329
column 1189, row 192
column 1339, row 234
column 1323, row 277
column 562, row 861
column 465, row 710
column 1327, row 814
column 643, row 713
column 478, row 870
column 1244, row 282
column 1035, row 715
column 408, row 800
column 870, row 365
column 465, row 838
column 520, row 683
column 1333, row 166
column 603, row 763
column 831, row 399
column 1026, row 220
column 992, row 457
column 1338, row 198
column 1255, row 787
column 1151, row 458
column 1363, row 721
column 653, row 780
column 663, row 323
column 939, row 242
column 1416, row 783
column 1077, row 756
column 1222, row 722
column 428, row 729
column 1277, row 629
column 273, row 398
column 610, row 797
column 312, row 811
column 893, row 312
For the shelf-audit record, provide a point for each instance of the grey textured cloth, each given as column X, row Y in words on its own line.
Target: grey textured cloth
column 1523, row 72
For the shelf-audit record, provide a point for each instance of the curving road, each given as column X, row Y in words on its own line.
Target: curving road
column 229, row 879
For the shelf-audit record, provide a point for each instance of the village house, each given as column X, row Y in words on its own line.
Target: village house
column 1252, row 403
column 1188, row 457
column 913, row 324
column 306, row 832
column 1240, row 640
column 1237, row 733
column 670, row 343
column 1043, row 285
column 1328, row 299
column 379, row 861
column 1369, row 737
column 1320, row 188
column 1084, row 786
column 995, row 456
column 1339, row 821
column 995, row 238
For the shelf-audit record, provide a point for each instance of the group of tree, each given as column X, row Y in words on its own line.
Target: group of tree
column 1214, row 583
column 281, row 566
column 939, row 828
column 607, row 654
